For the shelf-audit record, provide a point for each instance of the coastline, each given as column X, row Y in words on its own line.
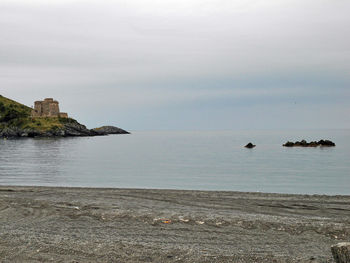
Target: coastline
column 60, row 224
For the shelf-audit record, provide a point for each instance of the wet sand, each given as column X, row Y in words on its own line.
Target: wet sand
column 42, row 224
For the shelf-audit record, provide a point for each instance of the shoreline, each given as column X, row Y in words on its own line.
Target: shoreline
column 171, row 189
column 78, row 224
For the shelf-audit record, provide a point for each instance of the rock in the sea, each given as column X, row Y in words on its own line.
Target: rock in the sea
column 313, row 144
column 250, row 145
column 105, row 130
column 341, row 252
column 75, row 129
column 326, row 143
column 289, row 144
column 304, row 143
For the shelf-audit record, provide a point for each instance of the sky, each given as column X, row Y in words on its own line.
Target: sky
column 181, row 64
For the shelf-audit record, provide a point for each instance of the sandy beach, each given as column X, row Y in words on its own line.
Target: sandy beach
column 44, row 224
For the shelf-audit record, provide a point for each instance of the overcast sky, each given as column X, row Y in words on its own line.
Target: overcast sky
column 181, row 64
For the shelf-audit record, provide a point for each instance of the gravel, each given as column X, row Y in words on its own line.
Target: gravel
column 44, row 224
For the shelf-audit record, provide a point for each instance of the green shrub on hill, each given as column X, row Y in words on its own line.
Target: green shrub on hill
column 15, row 114
column 11, row 110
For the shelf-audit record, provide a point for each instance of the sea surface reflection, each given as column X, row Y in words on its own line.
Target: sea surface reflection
column 203, row 160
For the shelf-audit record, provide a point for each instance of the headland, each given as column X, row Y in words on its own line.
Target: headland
column 44, row 120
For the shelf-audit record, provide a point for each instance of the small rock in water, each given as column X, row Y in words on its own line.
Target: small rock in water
column 105, row 130
column 303, row 143
column 326, row 143
column 250, row 145
column 289, row 144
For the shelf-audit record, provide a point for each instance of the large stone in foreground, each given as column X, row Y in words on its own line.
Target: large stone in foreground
column 341, row 252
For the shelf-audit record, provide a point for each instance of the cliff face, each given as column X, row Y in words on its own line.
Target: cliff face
column 16, row 121
column 53, row 128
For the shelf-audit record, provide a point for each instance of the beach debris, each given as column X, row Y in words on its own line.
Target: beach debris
column 250, row 145
column 183, row 220
column 304, row 143
column 341, row 252
column 161, row 220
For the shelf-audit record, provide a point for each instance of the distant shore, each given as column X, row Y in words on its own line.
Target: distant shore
column 52, row 224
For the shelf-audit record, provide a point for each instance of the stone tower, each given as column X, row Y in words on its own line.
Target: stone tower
column 47, row 108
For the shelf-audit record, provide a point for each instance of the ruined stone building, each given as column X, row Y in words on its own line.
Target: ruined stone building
column 47, row 108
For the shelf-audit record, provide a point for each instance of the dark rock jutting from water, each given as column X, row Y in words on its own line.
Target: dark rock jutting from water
column 250, row 145
column 105, row 130
column 303, row 143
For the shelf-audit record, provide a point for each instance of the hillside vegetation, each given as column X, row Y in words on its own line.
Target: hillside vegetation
column 16, row 121
column 16, row 114
column 10, row 110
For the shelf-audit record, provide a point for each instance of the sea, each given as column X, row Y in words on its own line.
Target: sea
column 192, row 160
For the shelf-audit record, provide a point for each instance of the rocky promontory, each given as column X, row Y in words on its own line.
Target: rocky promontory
column 105, row 130
column 303, row 143
column 16, row 121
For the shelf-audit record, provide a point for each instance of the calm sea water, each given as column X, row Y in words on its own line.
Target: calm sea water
column 209, row 160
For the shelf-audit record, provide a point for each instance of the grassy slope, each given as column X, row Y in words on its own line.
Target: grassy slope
column 16, row 114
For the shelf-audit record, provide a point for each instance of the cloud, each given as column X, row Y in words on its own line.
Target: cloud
column 158, row 55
